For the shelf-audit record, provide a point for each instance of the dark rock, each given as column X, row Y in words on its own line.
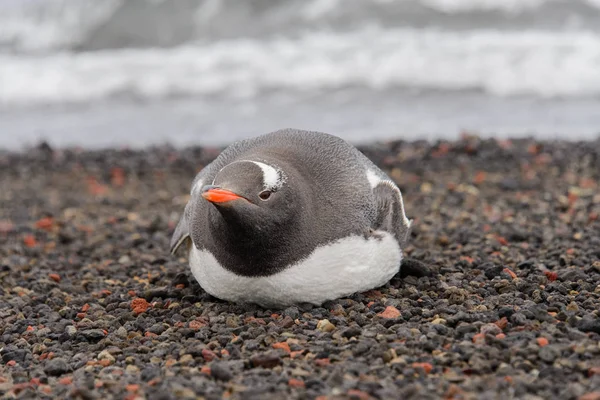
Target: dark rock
column 150, row 373
column 518, row 319
column 221, row 371
column 56, row 367
column 412, row 267
column 351, row 332
column 93, row 335
column 12, row 353
column 589, row 325
column 292, row 312
column 158, row 293
column 266, row 360
column 549, row 353
column 491, row 270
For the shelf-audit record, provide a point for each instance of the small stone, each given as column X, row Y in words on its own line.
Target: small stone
column 139, row 305
column 121, row 332
column 93, row 334
column 132, row 369
column 124, row 259
column 389, row 355
column 490, row 329
column 352, row 331
column 232, row 322
column 70, row 330
column 208, row 355
column 325, row 326
column 589, row 325
column 390, row 312
column 590, row 396
column 549, row 353
column 491, row 271
column 56, row 367
column 296, row 383
column 400, row 361
column 105, row 355
column 427, row 367
column 67, row 380
column 542, row 341
column 186, row 359
column 266, row 360
column 221, row 371
column 518, row 319
column 292, row 312
column 283, row 346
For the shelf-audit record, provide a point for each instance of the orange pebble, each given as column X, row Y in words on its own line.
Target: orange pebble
column 390, row 312
column 297, row 383
column 427, row 367
column 542, row 341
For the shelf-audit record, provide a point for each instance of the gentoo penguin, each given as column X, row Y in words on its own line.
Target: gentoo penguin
column 292, row 217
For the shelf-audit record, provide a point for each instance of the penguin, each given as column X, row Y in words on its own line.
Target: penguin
column 292, row 217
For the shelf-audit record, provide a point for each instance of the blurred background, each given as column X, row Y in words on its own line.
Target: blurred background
column 114, row 73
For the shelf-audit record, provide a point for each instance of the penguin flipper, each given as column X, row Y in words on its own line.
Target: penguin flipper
column 390, row 211
column 181, row 233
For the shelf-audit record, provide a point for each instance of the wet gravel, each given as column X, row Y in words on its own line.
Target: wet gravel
column 92, row 306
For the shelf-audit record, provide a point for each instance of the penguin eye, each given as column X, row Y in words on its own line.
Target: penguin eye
column 265, row 194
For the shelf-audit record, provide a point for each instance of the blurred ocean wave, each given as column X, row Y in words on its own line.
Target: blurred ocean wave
column 542, row 64
column 41, row 26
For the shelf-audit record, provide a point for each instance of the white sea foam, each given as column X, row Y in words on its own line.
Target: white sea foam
column 48, row 25
column 537, row 63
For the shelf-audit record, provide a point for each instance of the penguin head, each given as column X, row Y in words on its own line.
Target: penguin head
column 251, row 195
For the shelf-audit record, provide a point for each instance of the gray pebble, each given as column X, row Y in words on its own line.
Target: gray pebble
column 56, row 367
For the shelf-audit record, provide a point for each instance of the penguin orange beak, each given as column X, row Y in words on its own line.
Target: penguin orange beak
column 218, row 195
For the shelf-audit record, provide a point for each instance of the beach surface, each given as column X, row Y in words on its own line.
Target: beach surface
column 93, row 306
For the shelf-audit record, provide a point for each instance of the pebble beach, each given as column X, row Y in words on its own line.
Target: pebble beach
column 498, row 297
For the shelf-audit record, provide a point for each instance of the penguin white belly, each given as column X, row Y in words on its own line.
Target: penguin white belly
column 349, row 265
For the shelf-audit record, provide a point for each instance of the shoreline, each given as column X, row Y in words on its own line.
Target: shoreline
column 95, row 306
column 357, row 115
column 505, row 142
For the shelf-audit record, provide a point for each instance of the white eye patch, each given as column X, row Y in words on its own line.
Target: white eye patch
column 273, row 178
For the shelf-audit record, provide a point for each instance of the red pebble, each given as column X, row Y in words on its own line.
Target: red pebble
column 132, row 388
column 45, row 223
column 427, row 367
column 283, row 346
column 542, row 341
column 321, row 362
column 29, row 241
column 67, row 380
column 139, row 305
column 552, row 276
column 195, row 324
column 355, row 393
column 208, row 355
column 296, row 383
column 390, row 312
